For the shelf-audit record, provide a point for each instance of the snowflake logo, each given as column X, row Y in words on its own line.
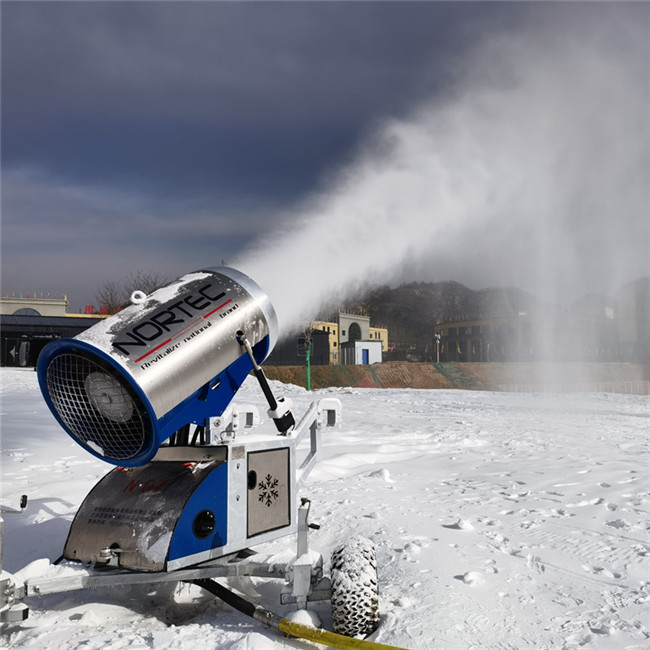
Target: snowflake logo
column 268, row 490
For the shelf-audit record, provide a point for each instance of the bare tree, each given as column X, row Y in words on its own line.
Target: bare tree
column 111, row 296
column 114, row 295
column 146, row 281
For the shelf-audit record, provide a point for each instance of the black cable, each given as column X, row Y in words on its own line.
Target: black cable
column 226, row 595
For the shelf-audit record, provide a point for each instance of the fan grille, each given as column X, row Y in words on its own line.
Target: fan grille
column 98, row 408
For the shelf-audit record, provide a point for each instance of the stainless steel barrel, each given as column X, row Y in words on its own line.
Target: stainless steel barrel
column 126, row 384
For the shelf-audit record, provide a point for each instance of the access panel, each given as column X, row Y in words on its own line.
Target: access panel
column 269, row 490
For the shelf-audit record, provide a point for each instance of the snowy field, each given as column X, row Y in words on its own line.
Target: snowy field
column 502, row 521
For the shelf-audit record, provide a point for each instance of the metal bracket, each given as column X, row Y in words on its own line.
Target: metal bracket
column 322, row 590
column 324, row 413
column 305, row 577
column 234, row 420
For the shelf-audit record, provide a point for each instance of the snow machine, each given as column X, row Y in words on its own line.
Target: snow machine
column 150, row 391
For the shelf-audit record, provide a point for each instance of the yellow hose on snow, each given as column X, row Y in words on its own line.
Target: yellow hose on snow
column 290, row 628
column 330, row 638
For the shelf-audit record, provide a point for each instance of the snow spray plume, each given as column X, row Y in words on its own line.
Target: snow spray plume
column 532, row 173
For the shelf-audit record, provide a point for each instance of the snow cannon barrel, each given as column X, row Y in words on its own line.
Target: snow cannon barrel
column 125, row 385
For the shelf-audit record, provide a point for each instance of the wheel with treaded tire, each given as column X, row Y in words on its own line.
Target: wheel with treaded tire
column 355, row 592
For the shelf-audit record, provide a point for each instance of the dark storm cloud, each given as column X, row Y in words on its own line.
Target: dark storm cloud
column 168, row 135
column 219, row 97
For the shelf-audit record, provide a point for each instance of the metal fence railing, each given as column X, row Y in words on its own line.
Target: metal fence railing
column 640, row 387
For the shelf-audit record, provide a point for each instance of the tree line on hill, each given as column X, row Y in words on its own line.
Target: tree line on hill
column 411, row 311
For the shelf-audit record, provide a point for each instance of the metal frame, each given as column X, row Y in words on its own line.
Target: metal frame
column 304, row 575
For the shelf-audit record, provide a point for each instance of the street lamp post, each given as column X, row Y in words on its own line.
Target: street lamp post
column 308, row 369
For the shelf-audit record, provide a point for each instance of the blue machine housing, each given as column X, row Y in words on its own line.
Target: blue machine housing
column 154, row 514
column 196, row 530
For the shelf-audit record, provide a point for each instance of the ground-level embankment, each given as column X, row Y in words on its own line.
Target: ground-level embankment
column 558, row 377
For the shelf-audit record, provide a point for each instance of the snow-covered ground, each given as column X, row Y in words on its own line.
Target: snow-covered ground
column 502, row 521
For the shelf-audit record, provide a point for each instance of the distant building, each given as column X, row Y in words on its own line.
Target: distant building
column 380, row 334
column 360, row 353
column 498, row 338
column 593, row 329
column 33, row 306
column 353, row 327
column 332, row 330
column 634, row 321
column 348, row 329
column 28, row 323
column 22, row 337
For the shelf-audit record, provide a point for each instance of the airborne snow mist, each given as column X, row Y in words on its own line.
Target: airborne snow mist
column 523, row 176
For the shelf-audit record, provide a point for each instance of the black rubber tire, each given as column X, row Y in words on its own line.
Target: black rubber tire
column 355, row 592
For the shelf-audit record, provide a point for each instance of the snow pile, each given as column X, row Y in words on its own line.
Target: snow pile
column 501, row 521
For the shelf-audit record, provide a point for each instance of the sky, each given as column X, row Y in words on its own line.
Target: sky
column 324, row 146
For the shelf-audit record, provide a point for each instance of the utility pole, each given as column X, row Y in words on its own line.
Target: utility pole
column 308, row 373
